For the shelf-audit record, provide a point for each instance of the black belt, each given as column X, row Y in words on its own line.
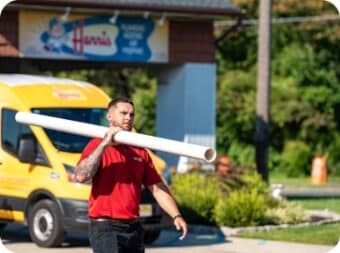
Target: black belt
column 103, row 219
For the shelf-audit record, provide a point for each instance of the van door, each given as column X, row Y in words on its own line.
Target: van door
column 14, row 175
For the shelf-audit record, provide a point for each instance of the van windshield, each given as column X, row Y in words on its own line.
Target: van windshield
column 67, row 142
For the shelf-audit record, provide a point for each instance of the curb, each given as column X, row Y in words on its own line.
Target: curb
column 329, row 218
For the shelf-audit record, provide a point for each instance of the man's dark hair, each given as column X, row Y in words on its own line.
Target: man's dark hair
column 117, row 100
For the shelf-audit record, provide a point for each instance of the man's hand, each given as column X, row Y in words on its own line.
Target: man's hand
column 88, row 167
column 108, row 139
column 162, row 194
column 180, row 224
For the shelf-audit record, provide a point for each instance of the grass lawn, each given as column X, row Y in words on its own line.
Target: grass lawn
column 328, row 234
column 331, row 204
column 301, row 181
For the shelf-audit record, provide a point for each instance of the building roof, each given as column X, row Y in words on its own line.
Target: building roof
column 212, row 8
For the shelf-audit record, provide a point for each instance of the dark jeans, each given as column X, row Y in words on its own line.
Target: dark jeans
column 116, row 237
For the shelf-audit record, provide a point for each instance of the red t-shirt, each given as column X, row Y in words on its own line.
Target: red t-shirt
column 117, row 185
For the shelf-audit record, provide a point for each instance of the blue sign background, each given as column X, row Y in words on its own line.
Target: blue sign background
column 131, row 41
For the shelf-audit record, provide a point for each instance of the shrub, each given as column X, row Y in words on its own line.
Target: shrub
column 242, row 154
column 274, row 159
column 253, row 180
column 196, row 195
column 242, row 207
column 296, row 159
column 207, row 199
column 286, row 213
column 333, row 156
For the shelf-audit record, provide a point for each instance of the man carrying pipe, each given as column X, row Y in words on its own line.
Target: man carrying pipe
column 195, row 151
column 117, row 172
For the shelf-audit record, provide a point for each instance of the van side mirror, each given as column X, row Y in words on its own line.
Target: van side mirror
column 27, row 151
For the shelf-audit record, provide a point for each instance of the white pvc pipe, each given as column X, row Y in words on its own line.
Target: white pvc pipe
column 135, row 139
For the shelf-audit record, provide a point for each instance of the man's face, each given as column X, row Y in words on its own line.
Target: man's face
column 122, row 114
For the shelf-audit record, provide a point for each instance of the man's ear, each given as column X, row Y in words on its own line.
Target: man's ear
column 108, row 117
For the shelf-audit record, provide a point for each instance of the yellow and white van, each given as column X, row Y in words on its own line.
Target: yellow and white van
column 37, row 165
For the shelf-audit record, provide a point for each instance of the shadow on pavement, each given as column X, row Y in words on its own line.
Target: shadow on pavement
column 198, row 235
column 17, row 233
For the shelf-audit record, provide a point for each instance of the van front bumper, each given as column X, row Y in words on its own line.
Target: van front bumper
column 75, row 216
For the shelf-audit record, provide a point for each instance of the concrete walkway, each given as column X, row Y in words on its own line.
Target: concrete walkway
column 240, row 245
column 309, row 192
column 233, row 244
column 211, row 241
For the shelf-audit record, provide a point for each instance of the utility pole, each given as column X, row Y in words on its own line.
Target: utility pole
column 263, row 89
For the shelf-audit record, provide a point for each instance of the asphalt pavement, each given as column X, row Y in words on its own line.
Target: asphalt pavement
column 15, row 238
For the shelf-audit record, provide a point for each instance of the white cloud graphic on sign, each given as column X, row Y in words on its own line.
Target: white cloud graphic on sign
column 336, row 3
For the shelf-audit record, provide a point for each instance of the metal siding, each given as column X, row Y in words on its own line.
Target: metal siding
column 186, row 105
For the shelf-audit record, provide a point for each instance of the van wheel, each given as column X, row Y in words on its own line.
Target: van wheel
column 44, row 223
column 151, row 235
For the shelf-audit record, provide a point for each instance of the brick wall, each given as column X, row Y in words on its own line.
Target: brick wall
column 9, row 34
column 191, row 42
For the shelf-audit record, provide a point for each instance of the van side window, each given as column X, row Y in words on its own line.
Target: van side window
column 11, row 132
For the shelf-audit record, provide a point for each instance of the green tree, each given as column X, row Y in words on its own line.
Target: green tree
column 305, row 102
column 136, row 83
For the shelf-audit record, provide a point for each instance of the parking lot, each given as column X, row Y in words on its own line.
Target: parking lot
column 16, row 238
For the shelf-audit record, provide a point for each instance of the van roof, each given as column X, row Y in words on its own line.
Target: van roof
column 20, row 79
column 34, row 91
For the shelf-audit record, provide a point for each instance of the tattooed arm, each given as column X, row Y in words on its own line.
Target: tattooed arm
column 88, row 167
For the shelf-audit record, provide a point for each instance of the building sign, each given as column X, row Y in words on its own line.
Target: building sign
column 92, row 38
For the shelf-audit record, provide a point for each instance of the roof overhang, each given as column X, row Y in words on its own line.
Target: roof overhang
column 133, row 8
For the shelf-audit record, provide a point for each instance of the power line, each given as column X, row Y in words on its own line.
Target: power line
column 279, row 21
